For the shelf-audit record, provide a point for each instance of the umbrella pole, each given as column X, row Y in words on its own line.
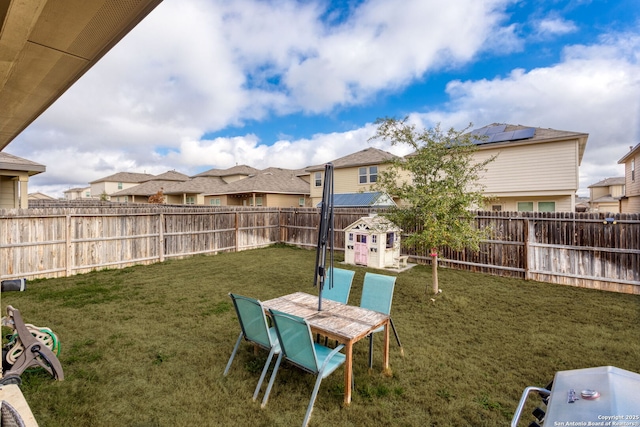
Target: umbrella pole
column 325, row 232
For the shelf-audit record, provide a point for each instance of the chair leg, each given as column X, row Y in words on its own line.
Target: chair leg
column 370, row 351
column 312, row 401
column 233, row 354
column 264, row 373
column 271, row 380
column 393, row 327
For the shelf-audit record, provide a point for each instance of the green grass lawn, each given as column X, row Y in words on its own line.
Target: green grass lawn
column 146, row 346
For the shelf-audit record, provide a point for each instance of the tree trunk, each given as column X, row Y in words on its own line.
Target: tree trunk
column 434, row 266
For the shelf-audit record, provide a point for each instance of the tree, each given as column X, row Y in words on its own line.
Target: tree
column 438, row 187
column 157, row 198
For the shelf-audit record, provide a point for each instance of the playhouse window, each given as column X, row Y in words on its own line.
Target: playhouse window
column 374, row 239
column 390, row 240
column 351, row 237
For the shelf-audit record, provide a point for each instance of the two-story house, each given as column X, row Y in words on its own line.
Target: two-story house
column 354, row 173
column 78, row 193
column 535, row 169
column 630, row 201
column 604, row 196
column 104, row 187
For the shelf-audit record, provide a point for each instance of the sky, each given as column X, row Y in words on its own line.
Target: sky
column 202, row 84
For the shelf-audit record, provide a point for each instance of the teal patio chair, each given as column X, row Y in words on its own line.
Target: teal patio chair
column 377, row 295
column 342, row 280
column 296, row 342
column 255, row 329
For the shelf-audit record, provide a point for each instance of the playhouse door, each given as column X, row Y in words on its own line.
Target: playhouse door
column 360, row 249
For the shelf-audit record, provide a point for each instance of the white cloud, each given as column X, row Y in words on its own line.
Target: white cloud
column 554, row 26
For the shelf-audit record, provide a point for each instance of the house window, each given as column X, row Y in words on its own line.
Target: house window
column 546, row 206
column 525, row 206
column 373, row 174
column 496, row 208
column 390, row 239
column 119, row 186
column 318, row 179
column 301, row 201
column 366, row 175
column 87, row 194
column 214, row 202
column 191, row 200
column 633, row 169
column 258, row 201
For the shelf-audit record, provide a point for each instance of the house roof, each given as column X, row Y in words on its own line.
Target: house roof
column 498, row 134
column 125, row 177
column 77, row 189
column 235, row 170
column 39, row 196
column 270, row 180
column 362, row 200
column 368, row 156
column 632, row 152
column 15, row 163
column 148, row 188
column 198, row 185
column 376, row 223
column 45, row 46
column 170, row 176
column 618, row 180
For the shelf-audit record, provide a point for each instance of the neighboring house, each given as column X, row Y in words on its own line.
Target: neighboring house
column 14, row 180
column 140, row 193
column 354, row 173
column 630, row 201
column 108, row 185
column 272, row 187
column 535, row 169
column 78, row 193
column 605, row 195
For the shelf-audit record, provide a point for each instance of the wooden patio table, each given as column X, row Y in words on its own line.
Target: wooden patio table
column 344, row 323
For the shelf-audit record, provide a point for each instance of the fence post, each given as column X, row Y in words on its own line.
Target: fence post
column 68, row 254
column 525, row 255
column 161, row 237
column 237, row 234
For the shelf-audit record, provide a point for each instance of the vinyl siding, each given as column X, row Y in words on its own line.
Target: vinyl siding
column 632, row 188
column 531, row 168
column 7, row 192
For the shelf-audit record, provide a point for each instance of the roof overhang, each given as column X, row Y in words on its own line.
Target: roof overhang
column 46, row 46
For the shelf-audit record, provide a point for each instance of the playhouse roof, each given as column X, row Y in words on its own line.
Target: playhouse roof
column 376, row 223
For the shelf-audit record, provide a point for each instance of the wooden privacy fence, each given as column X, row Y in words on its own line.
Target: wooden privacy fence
column 585, row 250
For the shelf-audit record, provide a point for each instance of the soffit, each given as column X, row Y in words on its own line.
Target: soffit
column 45, row 46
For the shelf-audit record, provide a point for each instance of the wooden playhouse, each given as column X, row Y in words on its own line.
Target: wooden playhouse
column 373, row 241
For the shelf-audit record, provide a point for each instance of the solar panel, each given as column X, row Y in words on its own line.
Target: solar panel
column 524, row 133
column 495, row 129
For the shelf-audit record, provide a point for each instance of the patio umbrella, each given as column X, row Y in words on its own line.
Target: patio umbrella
column 325, row 234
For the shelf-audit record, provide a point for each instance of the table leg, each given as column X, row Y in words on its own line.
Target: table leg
column 386, row 370
column 348, row 372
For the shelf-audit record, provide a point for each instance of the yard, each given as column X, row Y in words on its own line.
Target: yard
column 147, row 345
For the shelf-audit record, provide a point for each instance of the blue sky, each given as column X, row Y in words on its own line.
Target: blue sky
column 204, row 83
